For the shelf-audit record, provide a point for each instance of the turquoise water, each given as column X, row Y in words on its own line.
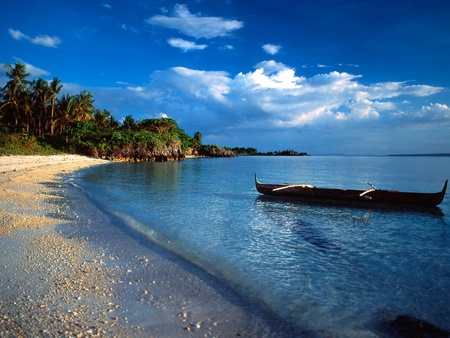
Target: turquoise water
column 333, row 270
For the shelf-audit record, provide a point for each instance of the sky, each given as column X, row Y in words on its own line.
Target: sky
column 355, row 77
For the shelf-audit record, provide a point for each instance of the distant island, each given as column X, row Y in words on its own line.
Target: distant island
column 423, row 155
column 254, row 152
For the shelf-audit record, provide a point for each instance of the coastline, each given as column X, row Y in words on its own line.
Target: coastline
column 69, row 269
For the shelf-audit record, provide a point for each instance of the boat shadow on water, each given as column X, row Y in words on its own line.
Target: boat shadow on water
column 306, row 219
column 292, row 214
column 286, row 219
column 384, row 208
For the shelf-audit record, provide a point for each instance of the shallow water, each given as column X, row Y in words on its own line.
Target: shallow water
column 328, row 269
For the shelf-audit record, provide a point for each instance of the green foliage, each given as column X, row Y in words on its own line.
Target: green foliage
column 147, row 139
column 129, row 123
column 23, row 144
column 196, row 141
column 245, row 151
column 81, row 129
column 119, row 139
column 33, row 119
column 288, row 152
column 215, row 151
column 184, row 138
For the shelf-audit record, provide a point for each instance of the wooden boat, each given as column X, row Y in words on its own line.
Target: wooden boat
column 367, row 197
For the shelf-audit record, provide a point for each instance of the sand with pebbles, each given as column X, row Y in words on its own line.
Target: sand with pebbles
column 69, row 274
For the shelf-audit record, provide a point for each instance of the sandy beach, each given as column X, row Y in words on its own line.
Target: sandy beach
column 69, row 270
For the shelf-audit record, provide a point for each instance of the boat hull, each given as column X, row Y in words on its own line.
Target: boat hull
column 369, row 197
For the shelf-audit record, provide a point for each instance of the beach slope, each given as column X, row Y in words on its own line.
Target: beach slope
column 68, row 269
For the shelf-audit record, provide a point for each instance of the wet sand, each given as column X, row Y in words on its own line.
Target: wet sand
column 68, row 269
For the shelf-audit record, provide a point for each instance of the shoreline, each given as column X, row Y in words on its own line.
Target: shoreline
column 70, row 269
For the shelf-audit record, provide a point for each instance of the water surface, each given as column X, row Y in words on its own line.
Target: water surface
column 335, row 270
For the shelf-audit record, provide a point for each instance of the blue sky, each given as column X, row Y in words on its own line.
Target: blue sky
column 323, row 76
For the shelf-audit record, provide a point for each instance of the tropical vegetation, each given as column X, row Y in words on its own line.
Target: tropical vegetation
column 35, row 118
column 254, row 152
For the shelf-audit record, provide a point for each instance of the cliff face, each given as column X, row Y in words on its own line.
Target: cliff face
column 215, row 151
column 168, row 153
column 136, row 153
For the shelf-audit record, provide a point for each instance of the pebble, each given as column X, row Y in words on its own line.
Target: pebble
column 50, row 272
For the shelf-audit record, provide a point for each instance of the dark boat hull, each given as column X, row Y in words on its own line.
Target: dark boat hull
column 369, row 197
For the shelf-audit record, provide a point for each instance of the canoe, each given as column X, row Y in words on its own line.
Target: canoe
column 367, row 197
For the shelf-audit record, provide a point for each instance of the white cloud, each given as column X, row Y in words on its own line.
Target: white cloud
column 196, row 26
column 186, row 46
column 17, row 35
column 204, row 85
column 321, row 65
column 271, row 49
column 435, row 113
column 261, row 80
column 43, row 40
column 271, row 66
column 348, row 65
column 273, row 96
column 363, row 109
column 127, row 28
column 395, row 89
column 227, row 47
column 33, row 70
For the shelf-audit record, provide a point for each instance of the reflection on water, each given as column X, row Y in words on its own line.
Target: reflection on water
column 286, row 215
column 326, row 268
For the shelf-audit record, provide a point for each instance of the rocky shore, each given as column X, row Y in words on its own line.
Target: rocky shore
column 67, row 271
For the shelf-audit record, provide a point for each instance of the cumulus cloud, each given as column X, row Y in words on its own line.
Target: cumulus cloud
column 197, row 26
column 43, row 40
column 273, row 96
column 33, row 70
column 269, row 75
column 271, row 49
column 435, row 113
column 196, row 84
column 184, row 45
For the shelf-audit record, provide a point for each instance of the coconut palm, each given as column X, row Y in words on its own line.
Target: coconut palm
column 39, row 93
column 83, row 106
column 104, row 120
column 15, row 93
column 129, row 123
column 55, row 88
column 65, row 112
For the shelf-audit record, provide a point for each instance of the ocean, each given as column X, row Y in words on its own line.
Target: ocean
column 327, row 269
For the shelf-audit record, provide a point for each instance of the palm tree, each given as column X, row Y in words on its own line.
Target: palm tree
column 55, row 88
column 65, row 112
column 197, row 140
column 40, row 93
column 15, row 92
column 84, row 106
column 104, row 120
column 129, row 123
